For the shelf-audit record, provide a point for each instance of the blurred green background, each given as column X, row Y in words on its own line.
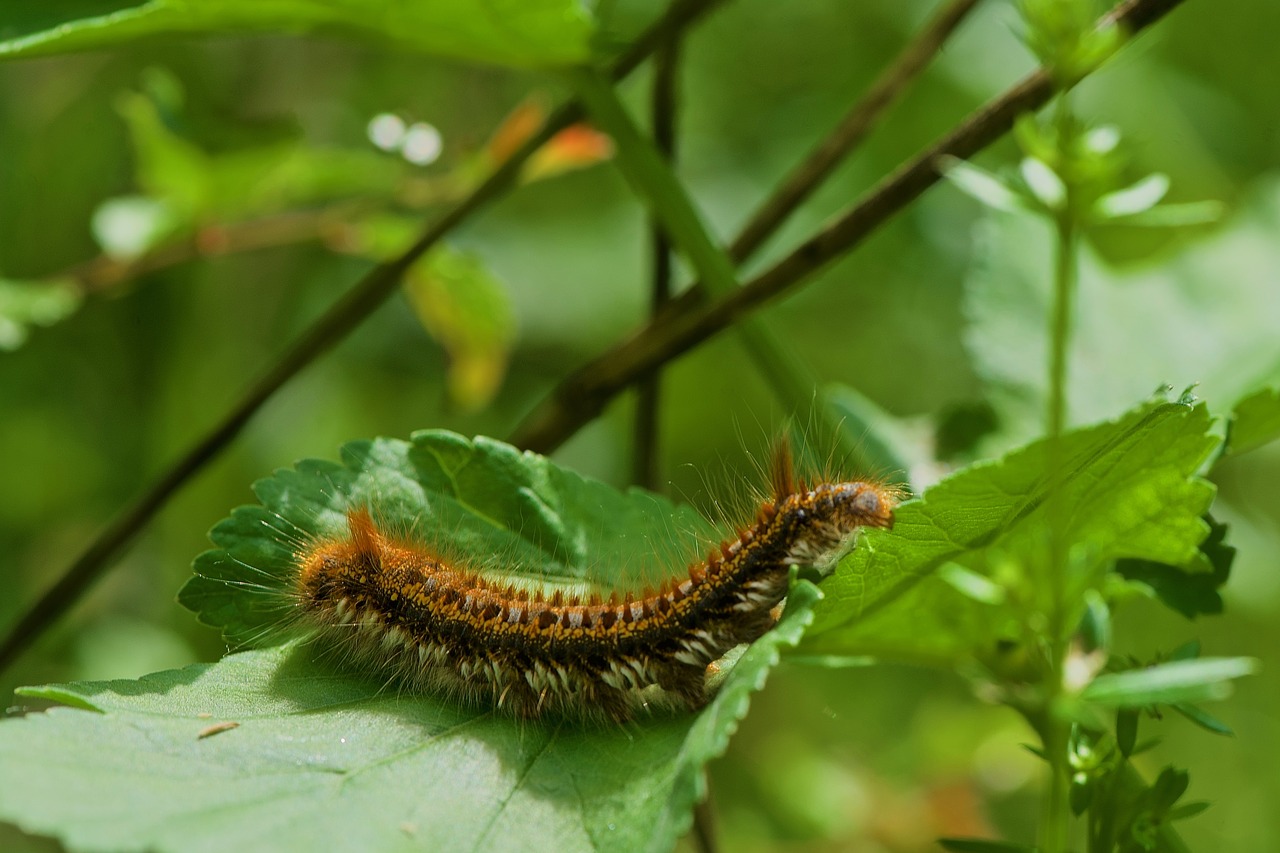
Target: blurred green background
column 94, row 407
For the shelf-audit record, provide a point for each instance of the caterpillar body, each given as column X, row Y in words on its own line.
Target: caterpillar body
column 438, row 627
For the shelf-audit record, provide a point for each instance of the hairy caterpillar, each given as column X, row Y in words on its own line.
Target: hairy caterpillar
column 434, row 625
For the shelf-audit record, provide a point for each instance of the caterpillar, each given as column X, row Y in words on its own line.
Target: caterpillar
column 438, row 626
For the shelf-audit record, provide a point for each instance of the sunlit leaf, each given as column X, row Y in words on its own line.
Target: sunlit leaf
column 466, row 309
column 1140, row 197
column 1131, row 490
column 982, row 185
column 1196, row 680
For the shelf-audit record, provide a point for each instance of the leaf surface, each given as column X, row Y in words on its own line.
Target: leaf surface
column 328, row 761
column 1131, row 491
column 510, row 32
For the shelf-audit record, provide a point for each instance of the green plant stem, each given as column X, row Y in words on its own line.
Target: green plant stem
column 645, row 465
column 1054, row 827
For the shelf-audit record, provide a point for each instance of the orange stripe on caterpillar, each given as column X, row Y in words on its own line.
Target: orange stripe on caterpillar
column 438, row 627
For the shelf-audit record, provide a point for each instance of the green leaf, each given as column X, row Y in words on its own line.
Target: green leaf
column 1134, row 199
column 986, row 187
column 466, row 309
column 1255, row 421
column 325, row 761
column 1131, row 492
column 1202, row 718
column 1177, row 215
column 475, row 498
column 24, row 304
column 1205, row 308
column 511, row 32
column 1188, row 589
column 186, row 186
column 1043, row 182
column 1166, row 683
column 1186, row 810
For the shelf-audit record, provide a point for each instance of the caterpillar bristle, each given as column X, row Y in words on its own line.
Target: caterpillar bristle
column 438, row 624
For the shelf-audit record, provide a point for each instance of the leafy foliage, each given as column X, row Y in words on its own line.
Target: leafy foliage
column 323, row 760
column 482, row 500
column 1206, row 327
column 1132, row 492
column 515, row 32
column 337, row 758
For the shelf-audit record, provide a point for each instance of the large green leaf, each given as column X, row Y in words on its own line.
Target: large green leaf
column 513, row 32
column 1204, row 316
column 1130, row 492
column 481, row 499
column 325, row 758
column 325, row 761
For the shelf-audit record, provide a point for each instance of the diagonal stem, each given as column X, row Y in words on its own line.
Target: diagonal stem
column 851, row 131
column 350, row 310
column 691, row 320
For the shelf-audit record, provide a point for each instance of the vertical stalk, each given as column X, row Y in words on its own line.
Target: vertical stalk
column 1055, row 731
column 645, row 471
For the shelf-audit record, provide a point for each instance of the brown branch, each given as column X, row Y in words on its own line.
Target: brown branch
column 690, row 321
column 645, row 471
column 853, row 128
column 360, row 301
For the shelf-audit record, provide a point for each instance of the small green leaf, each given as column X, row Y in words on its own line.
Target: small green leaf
column 1095, row 624
column 1202, row 718
column 1255, row 421
column 1043, row 182
column 972, row 584
column 1186, row 810
column 511, row 32
column 1140, row 197
column 467, row 310
column 1178, row 681
column 982, row 185
column 1176, row 215
column 1169, row 786
column 1102, row 140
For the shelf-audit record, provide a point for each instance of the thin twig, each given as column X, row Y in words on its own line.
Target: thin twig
column 853, row 128
column 689, row 321
column 664, row 106
column 360, row 301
